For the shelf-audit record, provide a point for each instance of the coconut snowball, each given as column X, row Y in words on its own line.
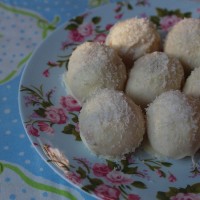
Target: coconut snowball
column 93, row 65
column 111, row 124
column 173, row 122
column 132, row 38
column 192, row 84
column 183, row 42
column 153, row 74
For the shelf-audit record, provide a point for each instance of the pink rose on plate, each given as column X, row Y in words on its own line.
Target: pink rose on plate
column 109, row 26
column 100, row 38
column 168, row 21
column 74, row 177
column 75, row 36
column 86, row 29
column 43, row 126
column 171, row 178
column 133, row 197
column 118, row 178
column 159, row 173
column 46, row 73
column 100, row 170
column 52, row 64
column 56, row 115
column 107, row 192
column 32, row 130
column 187, row 196
column 69, row 103
column 119, row 16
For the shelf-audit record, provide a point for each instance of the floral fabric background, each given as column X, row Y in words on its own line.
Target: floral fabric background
column 23, row 173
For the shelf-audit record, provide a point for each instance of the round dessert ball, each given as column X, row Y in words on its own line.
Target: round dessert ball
column 183, row 42
column 111, row 124
column 132, row 38
column 173, row 125
column 192, row 84
column 153, row 74
column 92, row 66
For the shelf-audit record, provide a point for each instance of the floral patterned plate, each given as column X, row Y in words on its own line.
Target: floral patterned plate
column 50, row 115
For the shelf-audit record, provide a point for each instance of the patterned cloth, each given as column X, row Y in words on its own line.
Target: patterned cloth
column 24, row 25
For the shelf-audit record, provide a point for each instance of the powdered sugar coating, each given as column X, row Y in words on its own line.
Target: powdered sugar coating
column 132, row 38
column 183, row 42
column 153, row 74
column 173, row 124
column 111, row 124
column 92, row 66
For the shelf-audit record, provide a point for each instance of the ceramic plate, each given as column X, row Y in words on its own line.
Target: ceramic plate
column 50, row 115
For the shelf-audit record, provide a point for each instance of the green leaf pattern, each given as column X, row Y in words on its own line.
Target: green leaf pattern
column 166, row 19
column 47, row 115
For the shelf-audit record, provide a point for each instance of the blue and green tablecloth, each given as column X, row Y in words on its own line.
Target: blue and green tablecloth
column 24, row 175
